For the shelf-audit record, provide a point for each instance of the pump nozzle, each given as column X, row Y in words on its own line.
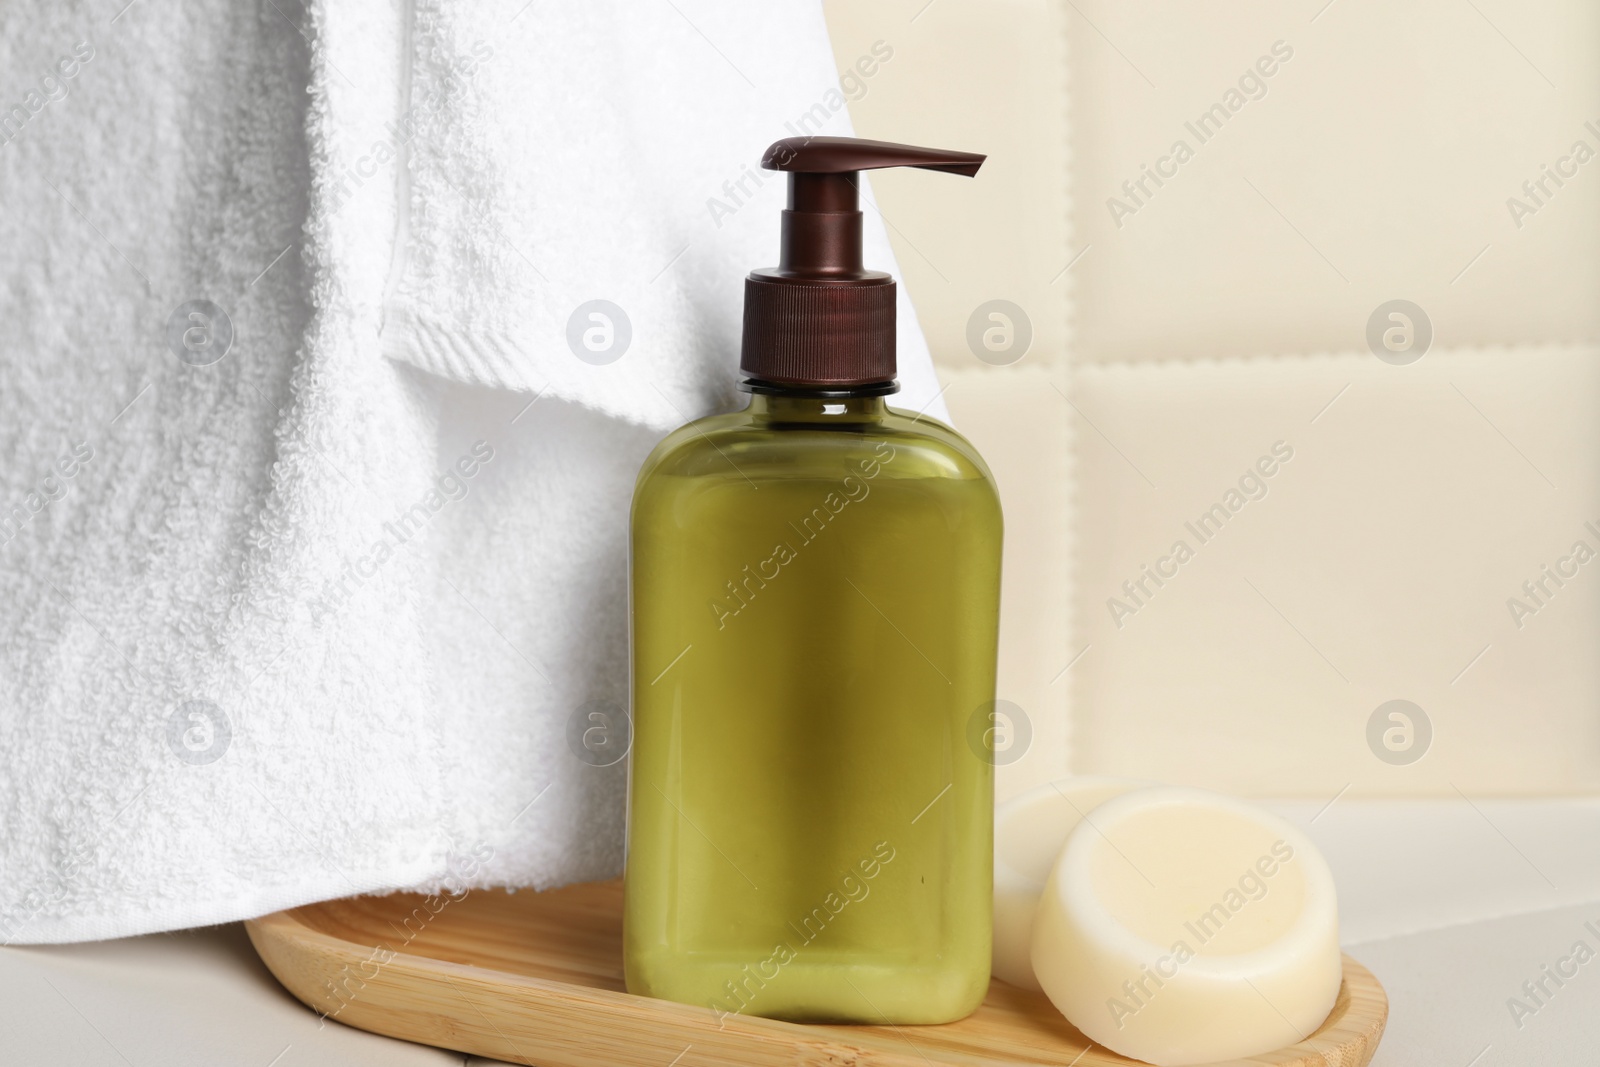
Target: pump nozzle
column 820, row 318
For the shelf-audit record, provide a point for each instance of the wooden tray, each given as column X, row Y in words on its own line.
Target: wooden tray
column 536, row 978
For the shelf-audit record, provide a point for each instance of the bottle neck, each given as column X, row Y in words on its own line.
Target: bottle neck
column 814, row 409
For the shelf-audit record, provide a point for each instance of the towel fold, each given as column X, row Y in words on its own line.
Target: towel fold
column 339, row 561
column 603, row 184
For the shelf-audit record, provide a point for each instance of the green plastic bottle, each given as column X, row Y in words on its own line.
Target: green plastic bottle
column 815, row 601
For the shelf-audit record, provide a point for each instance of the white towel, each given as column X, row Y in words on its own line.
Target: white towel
column 615, row 160
column 306, row 621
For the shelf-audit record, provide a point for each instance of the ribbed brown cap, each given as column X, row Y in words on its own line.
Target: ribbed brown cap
column 818, row 333
column 820, row 318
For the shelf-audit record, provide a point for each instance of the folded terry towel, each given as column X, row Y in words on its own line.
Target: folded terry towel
column 615, row 160
column 319, row 456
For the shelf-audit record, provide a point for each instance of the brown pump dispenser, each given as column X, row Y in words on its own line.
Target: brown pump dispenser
column 819, row 319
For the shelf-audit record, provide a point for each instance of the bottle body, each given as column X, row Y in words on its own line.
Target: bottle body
column 815, row 601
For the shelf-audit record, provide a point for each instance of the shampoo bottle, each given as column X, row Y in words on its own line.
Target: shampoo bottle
column 814, row 607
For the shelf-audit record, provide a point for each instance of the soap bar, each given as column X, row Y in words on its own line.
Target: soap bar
column 1184, row 927
column 1029, row 833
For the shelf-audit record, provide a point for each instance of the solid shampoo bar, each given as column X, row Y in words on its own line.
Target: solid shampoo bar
column 1029, row 832
column 1183, row 927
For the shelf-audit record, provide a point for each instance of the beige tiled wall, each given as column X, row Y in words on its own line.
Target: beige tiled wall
column 1357, row 153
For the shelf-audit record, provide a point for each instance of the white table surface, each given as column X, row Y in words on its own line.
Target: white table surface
column 1453, row 904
